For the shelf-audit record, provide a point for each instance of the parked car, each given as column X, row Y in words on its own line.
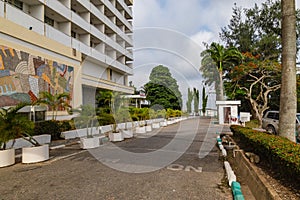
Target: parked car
column 270, row 122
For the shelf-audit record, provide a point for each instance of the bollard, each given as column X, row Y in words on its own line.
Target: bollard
column 224, row 152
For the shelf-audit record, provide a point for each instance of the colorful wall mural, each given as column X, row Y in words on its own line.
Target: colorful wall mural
column 23, row 76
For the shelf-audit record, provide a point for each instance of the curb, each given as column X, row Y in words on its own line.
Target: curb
column 235, row 186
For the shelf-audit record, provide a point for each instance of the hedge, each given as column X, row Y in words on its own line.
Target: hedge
column 280, row 153
column 52, row 127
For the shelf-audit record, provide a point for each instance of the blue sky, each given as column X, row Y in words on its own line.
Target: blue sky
column 172, row 33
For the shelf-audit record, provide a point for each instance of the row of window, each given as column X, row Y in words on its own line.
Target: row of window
column 15, row 3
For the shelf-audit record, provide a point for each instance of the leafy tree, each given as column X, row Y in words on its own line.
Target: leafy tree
column 55, row 102
column 189, row 101
column 162, row 89
column 288, row 99
column 259, row 32
column 255, row 80
column 196, row 101
column 219, row 58
column 204, row 101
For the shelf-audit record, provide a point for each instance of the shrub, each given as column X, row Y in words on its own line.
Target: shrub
column 105, row 119
column 66, row 125
column 51, row 127
column 280, row 153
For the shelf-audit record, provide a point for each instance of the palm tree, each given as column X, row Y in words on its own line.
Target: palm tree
column 55, row 102
column 215, row 60
column 14, row 125
column 86, row 119
column 288, row 95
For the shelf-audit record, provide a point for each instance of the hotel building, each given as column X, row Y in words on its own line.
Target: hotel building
column 73, row 46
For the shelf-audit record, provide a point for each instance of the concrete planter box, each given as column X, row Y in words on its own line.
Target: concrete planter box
column 127, row 133
column 116, row 137
column 155, row 125
column 140, row 129
column 89, row 143
column 35, row 154
column 163, row 123
column 7, row 157
column 148, row 128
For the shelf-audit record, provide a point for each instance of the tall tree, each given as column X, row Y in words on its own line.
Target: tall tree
column 254, row 80
column 222, row 58
column 162, row 89
column 189, row 101
column 288, row 102
column 258, row 31
column 204, row 100
column 196, row 101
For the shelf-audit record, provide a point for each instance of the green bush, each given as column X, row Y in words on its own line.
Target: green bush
column 51, row 127
column 66, row 125
column 105, row 119
column 280, row 153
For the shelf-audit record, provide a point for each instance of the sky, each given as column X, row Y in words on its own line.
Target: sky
column 172, row 33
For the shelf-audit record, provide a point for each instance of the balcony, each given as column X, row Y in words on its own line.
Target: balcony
column 19, row 17
column 59, row 8
column 56, row 35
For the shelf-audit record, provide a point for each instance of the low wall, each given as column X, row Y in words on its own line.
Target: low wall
column 20, row 142
column 258, row 185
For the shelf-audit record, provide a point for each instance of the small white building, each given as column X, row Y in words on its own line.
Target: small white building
column 137, row 100
column 228, row 111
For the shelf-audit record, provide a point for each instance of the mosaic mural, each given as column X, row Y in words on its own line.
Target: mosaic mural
column 23, row 76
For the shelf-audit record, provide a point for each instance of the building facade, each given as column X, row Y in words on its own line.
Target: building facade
column 73, row 46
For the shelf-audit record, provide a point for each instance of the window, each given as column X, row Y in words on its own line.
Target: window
column 74, row 52
column 49, row 21
column 110, row 74
column 16, row 3
column 273, row 115
column 73, row 34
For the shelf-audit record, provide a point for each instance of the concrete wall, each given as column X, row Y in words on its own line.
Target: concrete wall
column 258, row 185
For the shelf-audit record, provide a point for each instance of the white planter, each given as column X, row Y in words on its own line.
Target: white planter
column 170, row 122
column 89, row 143
column 148, row 128
column 140, row 129
column 35, row 154
column 116, row 137
column 155, row 125
column 127, row 133
column 7, row 157
column 164, row 123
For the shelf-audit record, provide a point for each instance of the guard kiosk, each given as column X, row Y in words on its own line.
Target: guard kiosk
column 228, row 111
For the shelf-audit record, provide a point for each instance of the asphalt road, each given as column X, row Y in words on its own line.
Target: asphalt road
column 180, row 161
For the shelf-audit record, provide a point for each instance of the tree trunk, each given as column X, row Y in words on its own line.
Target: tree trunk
column 288, row 101
column 221, row 90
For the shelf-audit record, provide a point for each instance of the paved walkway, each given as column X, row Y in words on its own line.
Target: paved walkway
column 146, row 169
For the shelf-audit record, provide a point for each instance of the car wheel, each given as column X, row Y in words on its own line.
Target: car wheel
column 270, row 129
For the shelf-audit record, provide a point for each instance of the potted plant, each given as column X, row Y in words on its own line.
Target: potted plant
column 8, row 123
column 86, row 120
column 123, row 116
column 115, row 135
column 127, row 132
column 148, row 126
column 141, row 127
column 15, row 125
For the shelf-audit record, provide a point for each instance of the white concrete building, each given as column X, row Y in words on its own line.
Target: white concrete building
column 65, row 45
